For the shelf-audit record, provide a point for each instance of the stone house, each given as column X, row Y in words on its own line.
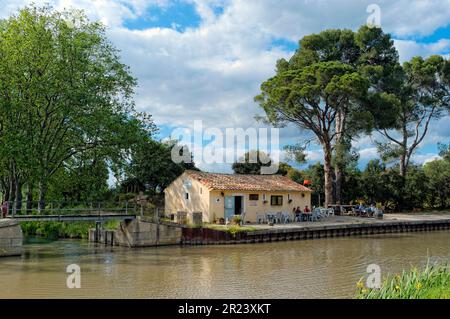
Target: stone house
column 225, row 195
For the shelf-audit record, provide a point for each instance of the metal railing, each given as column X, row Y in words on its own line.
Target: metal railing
column 74, row 208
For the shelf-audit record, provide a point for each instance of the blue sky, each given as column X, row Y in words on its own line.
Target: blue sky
column 205, row 59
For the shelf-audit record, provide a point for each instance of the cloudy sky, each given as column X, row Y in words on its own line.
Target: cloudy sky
column 205, row 59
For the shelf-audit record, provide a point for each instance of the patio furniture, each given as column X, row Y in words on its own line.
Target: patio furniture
column 356, row 212
column 270, row 217
column 260, row 218
column 286, row 217
column 279, row 217
column 316, row 215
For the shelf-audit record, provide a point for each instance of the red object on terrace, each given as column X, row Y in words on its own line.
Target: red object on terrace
column 307, row 182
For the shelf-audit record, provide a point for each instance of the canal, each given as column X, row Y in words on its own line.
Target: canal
column 320, row 268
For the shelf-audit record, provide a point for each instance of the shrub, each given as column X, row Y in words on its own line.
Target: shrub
column 431, row 283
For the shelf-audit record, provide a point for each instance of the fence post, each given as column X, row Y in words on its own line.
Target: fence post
column 126, row 207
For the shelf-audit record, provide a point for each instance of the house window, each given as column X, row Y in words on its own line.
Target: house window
column 253, row 197
column 186, row 196
column 276, row 200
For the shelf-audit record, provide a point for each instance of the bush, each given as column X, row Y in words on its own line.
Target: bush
column 431, row 283
column 56, row 230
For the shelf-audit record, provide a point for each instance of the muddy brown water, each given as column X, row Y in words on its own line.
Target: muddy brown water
column 319, row 268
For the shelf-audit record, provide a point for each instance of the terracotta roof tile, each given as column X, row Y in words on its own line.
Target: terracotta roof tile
column 266, row 183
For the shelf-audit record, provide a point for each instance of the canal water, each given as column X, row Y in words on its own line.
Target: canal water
column 320, row 268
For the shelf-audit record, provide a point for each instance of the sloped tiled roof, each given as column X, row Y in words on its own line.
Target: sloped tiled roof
column 268, row 183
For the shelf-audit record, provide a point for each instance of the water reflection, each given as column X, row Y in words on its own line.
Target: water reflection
column 295, row 269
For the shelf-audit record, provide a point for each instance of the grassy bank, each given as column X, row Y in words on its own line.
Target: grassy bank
column 56, row 230
column 431, row 283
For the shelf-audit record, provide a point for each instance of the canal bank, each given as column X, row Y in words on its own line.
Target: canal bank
column 145, row 233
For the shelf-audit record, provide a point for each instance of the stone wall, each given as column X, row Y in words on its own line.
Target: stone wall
column 10, row 238
column 141, row 233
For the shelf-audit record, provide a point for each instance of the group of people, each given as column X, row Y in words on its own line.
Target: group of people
column 5, row 208
column 366, row 209
column 301, row 215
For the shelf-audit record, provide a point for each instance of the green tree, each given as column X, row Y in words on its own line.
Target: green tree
column 372, row 181
column 151, row 168
column 315, row 173
column 324, row 87
column 311, row 96
column 251, row 162
column 63, row 92
column 371, row 53
column 417, row 99
column 438, row 174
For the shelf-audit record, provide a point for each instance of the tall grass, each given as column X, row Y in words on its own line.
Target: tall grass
column 431, row 283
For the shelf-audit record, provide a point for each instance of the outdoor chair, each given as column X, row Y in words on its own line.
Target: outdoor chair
column 270, row 217
column 286, row 217
column 279, row 218
column 260, row 218
column 316, row 215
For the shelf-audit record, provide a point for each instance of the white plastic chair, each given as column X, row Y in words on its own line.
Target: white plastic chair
column 260, row 218
column 286, row 217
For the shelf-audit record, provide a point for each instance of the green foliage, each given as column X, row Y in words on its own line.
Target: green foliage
column 426, row 186
column 66, row 107
column 251, row 163
column 151, row 168
column 431, row 283
column 419, row 94
column 232, row 229
column 315, row 174
column 438, row 183
column 55, row 230
column 326, row 89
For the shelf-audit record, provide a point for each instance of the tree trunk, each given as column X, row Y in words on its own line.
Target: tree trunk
column 18, row 195
column 403, row 165
column 340, row 153
column 29, row 197
column 338, row 187
column 328, row 187
column 12, row 193
column 42, row 193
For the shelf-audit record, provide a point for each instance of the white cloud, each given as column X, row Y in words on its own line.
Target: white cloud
column 408, row 48
column 213, row 71
column 424, row 158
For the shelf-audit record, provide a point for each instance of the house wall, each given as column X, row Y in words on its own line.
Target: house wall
column 198, row 201
column 251, row 208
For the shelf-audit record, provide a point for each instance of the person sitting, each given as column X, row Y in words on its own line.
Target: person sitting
column 297, row 213
column 306, row 213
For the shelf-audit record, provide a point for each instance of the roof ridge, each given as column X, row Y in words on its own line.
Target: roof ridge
column 249, row 182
